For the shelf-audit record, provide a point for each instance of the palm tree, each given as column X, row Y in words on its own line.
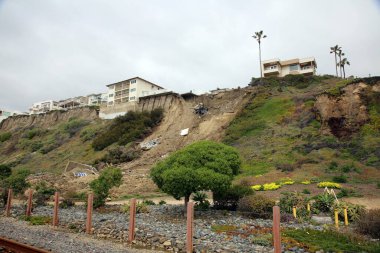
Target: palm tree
column 342, row 63
column 340, row 54
column 335, row 50
column 258, row 36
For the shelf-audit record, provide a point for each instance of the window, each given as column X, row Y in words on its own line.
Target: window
column 133, row 81
column 132, row 98
column 293, row 67
column 133, row 89
column 110, row 95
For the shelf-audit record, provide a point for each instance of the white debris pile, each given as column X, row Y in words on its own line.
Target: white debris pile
column 149, row 144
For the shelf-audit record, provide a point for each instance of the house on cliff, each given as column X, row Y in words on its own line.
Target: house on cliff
column 275, row 67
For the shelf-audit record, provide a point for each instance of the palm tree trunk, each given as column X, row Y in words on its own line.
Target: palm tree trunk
column 344, row 72
column 340, row 66
column 336, row 66
column 261, row 68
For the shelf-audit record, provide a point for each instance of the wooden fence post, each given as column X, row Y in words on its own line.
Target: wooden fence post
column 276, row 230
column 89, row 213
column 190, row 227
column 9, row 203
column 55, row 213
column 132, row 220
column 29, row 203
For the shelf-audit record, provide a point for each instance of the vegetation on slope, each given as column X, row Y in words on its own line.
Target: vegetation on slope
column 280, row 129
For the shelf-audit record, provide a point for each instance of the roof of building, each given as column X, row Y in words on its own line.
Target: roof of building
column 135, row 78
column 290, row 61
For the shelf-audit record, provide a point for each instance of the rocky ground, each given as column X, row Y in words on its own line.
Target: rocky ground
column 162, row 228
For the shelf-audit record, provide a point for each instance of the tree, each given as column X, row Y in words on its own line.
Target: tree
column 101, row 186
column 259, row 36
column 342, row 63
column 335, row 50
column 201, row 166
column 340, row 54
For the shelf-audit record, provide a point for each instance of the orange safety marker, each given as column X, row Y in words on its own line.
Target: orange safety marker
column 55, row 213
column 190, row 227
column 9, row 203
column 276, row 230
column 89, row 213
column 132, row 220
column 29, row 203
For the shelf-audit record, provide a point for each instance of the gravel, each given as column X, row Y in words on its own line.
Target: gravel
column 163, row 228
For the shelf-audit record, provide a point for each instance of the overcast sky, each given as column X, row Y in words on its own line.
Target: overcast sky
column 55, row 49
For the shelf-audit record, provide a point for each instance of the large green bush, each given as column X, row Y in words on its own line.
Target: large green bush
column 17, row 181
column 5, row 136
column 288, row 200
column 107, row 179
column 5, row 171
column 128, row 128
column 201, row 166
column 229, row 198
column 257, row 206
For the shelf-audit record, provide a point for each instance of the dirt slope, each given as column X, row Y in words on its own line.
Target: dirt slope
column 222, row 109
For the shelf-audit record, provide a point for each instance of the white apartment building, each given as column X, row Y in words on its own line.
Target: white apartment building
column 131, row 90
column 275, row 67
column 97, row 99
column 6, row 113
column 44, row 106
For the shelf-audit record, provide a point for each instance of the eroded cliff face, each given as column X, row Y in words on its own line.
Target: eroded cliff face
column 47, row 120
column 345, row 114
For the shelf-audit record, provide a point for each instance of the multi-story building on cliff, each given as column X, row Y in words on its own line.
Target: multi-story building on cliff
column 131, row 90
column 275, row 67
column 44, row 106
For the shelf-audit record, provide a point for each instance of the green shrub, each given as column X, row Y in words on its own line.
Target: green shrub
column 288, row 200
column 88, row 134
column 354, row 212
column 17, row 181
column 37, row 220
column 306, row 191
column 66, row 203
column 119, row 155
column 74, row 125
column 128, row 128
column 229, row 199
column 141, row 207
column 340, row 179
column 201, row 202
column 30, row 134
column 5, row 171
column 162, row 202
column 5, row 136
column 257, row 206
column 43, row 193
column 107, row 179
column 323, row 203
column 333, row 166
column 369, row 223
column 149, row 202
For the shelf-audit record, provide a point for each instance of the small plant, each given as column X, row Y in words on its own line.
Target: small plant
column 5, row 136
column 288, row 200
column 36, row 220
column 369, row 223
column 101, row 186
column 141, row 207
column 340, row 179
column 256, row 206
column 257, row 187
column 66, row 203
column 329, row 185
column 201, row 202
column 271, row 186
column 323, row 203
column 306, row 182
column 354, row 212
column 229, row 199
column 333, row 166
column 306, row 191
column 263, row 240
column 162, row 202
column 223, row 228
column 149, row 202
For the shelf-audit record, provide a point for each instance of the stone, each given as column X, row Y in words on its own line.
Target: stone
column 167, row 243
column 322, row 219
